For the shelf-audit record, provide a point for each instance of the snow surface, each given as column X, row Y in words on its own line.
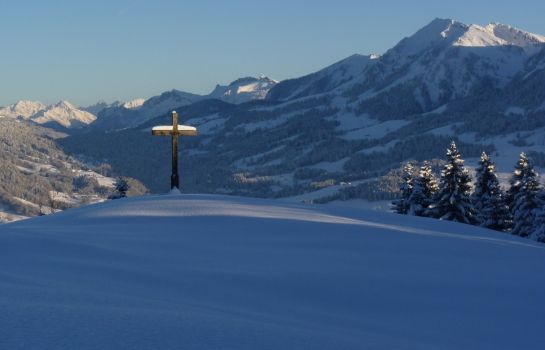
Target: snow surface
column 7, row 214
column 515, row 111
column 244, row 90
column 214, row 272
column 331, row 167
column 134, row 104
column 506, row 154
column 268, row 123
column 373, row 131
column 208, row 124
column 496, row 34
column 169, row 128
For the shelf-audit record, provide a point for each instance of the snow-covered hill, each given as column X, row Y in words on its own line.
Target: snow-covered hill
column 214, row 272
column 62, row 114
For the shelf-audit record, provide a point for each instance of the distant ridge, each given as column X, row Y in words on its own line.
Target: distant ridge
column 62, row 114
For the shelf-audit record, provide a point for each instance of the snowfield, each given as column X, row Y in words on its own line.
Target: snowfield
column 219, row 272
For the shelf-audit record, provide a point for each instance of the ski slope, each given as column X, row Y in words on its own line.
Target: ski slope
column 219, row 272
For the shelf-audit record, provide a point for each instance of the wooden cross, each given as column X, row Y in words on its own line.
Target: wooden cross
column 174, row 131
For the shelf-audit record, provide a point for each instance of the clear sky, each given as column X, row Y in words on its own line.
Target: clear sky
column 90, row 50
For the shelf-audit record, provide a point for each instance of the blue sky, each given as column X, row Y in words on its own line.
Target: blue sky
column 85, row 51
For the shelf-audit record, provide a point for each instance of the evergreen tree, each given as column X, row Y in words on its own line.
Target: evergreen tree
column 516, row 180
column 488, row 199
column 526, row 201
column 452, row 201
column 424, row 187
column 121, row 188
column 538, row 233
column 402, row 205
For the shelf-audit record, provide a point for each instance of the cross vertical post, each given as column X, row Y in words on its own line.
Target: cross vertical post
column 174, row 178
column 174, row 131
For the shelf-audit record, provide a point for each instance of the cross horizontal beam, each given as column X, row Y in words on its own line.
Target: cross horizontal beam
column 168, row 130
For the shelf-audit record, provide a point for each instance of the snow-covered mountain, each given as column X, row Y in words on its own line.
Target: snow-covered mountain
column 497, row 34
column 99, row 106
column 324, row 80
column 134, row 104
column 62, row 114
column 526, row 93
column 23, row 109
column 132, row 113
column 443, row 61
column 244, row 90
column 165, row 102
column 355, row 120
column 447, row 60
column 220, row 272
column 135, row 113
column 102, row 105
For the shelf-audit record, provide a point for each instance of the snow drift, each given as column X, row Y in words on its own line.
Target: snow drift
column 214, row 272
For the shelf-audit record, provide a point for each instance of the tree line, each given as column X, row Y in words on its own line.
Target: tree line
column 519, row 210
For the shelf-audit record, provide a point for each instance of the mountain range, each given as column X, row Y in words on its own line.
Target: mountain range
column 62, row 114
column 349, row 123
column 240, row 91
column 102, row 105
column 102, row 115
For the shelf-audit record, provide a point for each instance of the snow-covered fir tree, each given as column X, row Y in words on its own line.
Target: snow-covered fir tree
column 488, row 199
column 515, row 181
column 401, row 205
column 538, row 233
column 424, row 187
column 526, row 200
column 452, row 201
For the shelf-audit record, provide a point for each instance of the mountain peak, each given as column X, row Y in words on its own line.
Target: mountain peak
column 26, row 103
column 514, row 35
column 249, row 80
column 497, row 34
column 64, row 104
column 439, row 30
column 244, row 89
column 134, row 104
column 62, row 112
column 447, row 32
column 65, row 114
column 23, row 109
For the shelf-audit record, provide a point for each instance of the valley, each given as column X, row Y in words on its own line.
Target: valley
column 354, row 122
